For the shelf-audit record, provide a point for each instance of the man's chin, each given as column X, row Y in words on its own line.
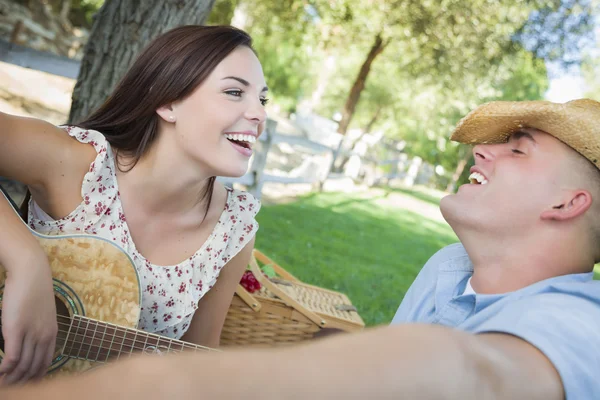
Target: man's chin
column 450, row 208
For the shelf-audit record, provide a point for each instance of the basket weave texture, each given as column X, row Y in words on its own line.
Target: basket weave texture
column 285, row 310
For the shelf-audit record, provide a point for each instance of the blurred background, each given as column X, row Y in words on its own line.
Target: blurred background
column 364, row 95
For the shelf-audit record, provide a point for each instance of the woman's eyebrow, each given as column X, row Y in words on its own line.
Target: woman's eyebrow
column 244, row 82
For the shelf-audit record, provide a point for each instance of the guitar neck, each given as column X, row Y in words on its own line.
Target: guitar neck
column 98, row 341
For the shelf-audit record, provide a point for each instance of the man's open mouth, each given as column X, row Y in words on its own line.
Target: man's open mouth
column 477, row 179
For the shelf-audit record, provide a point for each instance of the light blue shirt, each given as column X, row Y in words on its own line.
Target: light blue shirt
column 560, row 316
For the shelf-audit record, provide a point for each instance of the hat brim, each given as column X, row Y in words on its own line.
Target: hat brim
column 576, row 123
column 495, row 122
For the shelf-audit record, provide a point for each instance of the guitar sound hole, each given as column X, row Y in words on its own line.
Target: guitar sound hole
column 63, row 319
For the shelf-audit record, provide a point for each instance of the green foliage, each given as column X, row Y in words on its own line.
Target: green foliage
column 591, row 66
column 222, row 12
column 590, row 74
column 82, row 12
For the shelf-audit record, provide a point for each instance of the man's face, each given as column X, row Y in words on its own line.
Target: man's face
column 512, row 184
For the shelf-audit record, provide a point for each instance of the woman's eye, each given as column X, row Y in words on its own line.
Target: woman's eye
column 236, row 93
column 264, row 101
column 516, row 151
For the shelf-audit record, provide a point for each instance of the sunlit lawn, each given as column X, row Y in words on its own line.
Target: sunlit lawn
column 357, row 244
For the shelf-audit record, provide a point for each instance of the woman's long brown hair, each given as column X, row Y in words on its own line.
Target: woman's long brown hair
column 167, row 70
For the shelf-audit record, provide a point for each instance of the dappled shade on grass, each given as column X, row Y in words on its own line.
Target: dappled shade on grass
column 370, row 250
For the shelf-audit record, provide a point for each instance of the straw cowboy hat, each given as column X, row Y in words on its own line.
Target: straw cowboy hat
column 576, row 123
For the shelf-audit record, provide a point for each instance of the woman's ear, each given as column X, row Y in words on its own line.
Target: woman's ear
column 167, row 113
column 573, row 204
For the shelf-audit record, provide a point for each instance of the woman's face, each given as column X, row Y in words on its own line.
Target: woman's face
column 218, row 124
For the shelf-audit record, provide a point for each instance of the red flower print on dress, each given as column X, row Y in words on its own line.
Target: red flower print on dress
column 182, row 287
column 169, row 295
column 150, row 288
column 100, row 208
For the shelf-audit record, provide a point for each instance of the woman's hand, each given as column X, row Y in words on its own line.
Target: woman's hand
column 29, row 322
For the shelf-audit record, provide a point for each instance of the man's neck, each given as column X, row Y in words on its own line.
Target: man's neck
column 505, row 264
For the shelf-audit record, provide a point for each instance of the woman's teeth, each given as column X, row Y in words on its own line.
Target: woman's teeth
column 241, row 138
column 477, row 178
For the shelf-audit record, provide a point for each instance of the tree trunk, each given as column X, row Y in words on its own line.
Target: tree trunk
column 359, row 84
column 371, row 123
column 460, row 167
column 121, row 29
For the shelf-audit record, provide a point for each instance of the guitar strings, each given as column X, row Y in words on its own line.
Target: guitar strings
column 122, row 348
column 155, row 340
column 128, row 347
column 117, row 328
column 102, row 353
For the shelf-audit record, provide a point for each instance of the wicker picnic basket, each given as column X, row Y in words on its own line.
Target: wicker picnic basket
column 285, row 310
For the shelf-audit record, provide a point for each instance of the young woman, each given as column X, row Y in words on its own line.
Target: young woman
column 141, row 171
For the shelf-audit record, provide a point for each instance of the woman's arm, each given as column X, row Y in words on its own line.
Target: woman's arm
column 43, row 157
column 207, row 323
column 46, row 159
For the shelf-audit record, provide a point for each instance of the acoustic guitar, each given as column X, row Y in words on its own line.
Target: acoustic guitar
column 98, row 297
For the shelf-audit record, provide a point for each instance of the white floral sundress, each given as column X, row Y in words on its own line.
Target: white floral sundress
column 170, row 294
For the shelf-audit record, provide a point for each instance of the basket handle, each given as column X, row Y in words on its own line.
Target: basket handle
column 248, row 298
column 288, row 300
column 278, row 269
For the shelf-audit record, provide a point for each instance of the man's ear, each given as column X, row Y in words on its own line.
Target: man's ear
column 167, row 113
column 573, row 204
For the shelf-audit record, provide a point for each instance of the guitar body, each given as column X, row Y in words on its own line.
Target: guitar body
column 93, row 278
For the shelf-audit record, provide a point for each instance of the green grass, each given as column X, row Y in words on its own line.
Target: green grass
column 421, row 194
column 356, row 244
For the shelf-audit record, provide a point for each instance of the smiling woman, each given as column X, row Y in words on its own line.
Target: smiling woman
column 140, row 171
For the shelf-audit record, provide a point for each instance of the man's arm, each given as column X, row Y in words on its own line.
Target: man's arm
column 407, row 361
